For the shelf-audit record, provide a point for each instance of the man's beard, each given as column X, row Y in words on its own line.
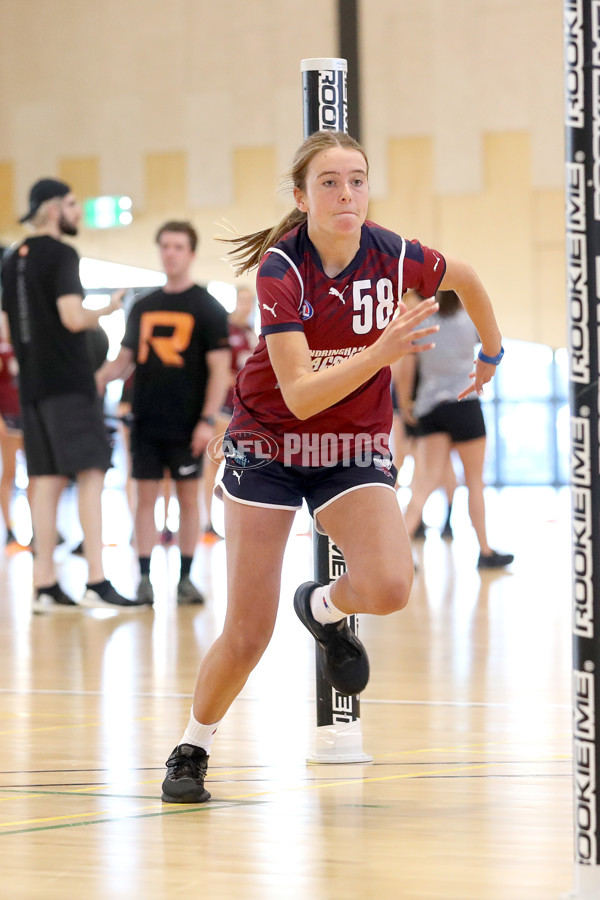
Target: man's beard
column 67, row 227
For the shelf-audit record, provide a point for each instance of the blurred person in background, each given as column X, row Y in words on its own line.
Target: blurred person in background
column 63, row 423
column 176, row 340
column 444, row 422
column 243, row 340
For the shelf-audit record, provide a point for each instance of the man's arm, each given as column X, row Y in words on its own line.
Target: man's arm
column 219, row 367
column 5, row 328
column 75, row 317
column 121, row 367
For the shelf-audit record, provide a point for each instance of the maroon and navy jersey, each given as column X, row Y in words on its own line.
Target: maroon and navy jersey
column 339, row 317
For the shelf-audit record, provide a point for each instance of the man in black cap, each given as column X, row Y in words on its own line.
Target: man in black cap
column 63, row 422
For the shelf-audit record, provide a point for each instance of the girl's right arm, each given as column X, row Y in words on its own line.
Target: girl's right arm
column 307, row 392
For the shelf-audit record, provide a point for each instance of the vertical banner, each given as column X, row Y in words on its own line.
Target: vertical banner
column 582, row 185
column 325, row 95
column 339, row 736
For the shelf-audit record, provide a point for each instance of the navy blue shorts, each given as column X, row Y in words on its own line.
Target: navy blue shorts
column 277, row 486
column 461, row 419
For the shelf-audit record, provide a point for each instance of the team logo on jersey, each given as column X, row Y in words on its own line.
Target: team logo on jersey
column 306, row 311
column 335, row 293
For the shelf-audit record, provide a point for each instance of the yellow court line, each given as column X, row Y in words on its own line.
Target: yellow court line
column 310, row 787
column 47, row 819
column 479, row 747
column 84, row 789
column 65, row 727
column 51, row 728
column 272, row 792
column 403, row 775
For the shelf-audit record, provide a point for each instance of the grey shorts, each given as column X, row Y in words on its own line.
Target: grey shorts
column 65, row 434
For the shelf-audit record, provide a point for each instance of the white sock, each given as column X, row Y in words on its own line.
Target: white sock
column 323, row 610
column 199, row 735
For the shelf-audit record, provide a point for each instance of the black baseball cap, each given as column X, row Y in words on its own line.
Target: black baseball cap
column 42, row 190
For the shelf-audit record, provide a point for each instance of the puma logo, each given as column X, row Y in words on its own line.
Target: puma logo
column 438, row 260
column 334, row 291
column 238, row 475
column 271, row 309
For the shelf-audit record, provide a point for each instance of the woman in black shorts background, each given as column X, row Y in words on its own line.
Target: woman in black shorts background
column 445, row 423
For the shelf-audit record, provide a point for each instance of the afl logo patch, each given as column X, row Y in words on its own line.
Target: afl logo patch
column 306, row 311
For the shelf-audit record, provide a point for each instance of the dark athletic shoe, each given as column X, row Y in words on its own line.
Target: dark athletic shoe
column 346, row 664
column 145, row 591
column 187, row 593
column 111, row 599
column 186, row 771
column 53, row 600
column 495, row 560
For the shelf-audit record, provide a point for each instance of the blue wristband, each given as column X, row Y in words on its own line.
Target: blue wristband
column 492, row 360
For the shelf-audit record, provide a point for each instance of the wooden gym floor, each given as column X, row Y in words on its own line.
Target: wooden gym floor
column 467, row 717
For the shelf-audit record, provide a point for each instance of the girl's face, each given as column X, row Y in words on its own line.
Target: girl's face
column 336, row 193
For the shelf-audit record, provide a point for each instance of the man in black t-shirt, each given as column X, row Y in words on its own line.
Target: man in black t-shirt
column 176, row 338
column 63, row 423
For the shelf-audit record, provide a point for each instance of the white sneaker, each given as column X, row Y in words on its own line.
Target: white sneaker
column 44, row 602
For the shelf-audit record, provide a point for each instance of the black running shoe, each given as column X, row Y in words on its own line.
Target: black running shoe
column 495, row 560
column 53, row 599
column 186, row 771
column 346, row 664
column 109, row 598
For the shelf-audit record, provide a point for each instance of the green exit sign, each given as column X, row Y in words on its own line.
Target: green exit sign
column 107, row 212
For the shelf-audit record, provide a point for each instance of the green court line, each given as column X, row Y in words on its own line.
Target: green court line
column 171, row 812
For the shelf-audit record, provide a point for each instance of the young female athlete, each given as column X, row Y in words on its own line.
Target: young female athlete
column 314, row 399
